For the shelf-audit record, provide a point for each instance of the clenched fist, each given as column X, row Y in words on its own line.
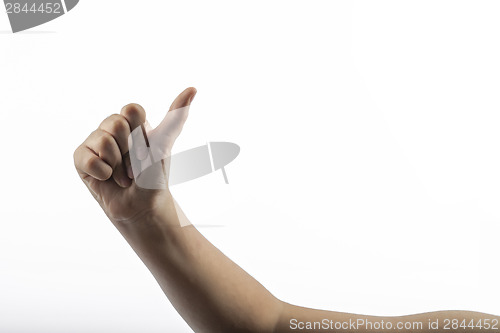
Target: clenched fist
column 103, row 160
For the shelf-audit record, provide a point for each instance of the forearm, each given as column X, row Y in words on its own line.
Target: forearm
column 209, row 291
column 213, row 294
column 295, row 318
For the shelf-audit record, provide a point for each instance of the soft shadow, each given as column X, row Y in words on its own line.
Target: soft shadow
column 27, row 32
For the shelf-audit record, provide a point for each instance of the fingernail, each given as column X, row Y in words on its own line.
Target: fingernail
column 192, row 97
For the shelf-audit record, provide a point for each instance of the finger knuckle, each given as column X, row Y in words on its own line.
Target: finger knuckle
column 135, row 112
column 119, row 125
column 76, row 157
column 75, row 154
column 132, row 107
column 106, row 142
column 115, row 124
column 92, row 163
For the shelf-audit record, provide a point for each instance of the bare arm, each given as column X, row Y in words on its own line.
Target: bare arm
column 213, row 294
column 294, row 318
column 209, row 291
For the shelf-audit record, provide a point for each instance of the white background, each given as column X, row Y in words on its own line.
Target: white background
column 368, row 179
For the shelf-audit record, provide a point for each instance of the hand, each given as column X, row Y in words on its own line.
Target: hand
column 103, row 160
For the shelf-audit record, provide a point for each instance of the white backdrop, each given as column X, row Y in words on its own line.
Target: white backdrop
column 368, row 179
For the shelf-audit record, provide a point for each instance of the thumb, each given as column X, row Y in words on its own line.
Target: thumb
column 162, row 138
column 184, row 99
column 149, row 172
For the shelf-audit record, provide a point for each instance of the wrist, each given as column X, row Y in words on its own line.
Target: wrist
column 153, row 224
column 157, row 237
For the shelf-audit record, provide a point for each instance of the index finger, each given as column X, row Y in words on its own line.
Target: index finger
column 135, row 115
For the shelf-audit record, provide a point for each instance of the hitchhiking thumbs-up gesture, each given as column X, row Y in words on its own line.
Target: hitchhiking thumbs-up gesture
column 122, row 161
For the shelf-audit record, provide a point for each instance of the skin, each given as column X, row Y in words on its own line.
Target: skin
column 209, row 291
